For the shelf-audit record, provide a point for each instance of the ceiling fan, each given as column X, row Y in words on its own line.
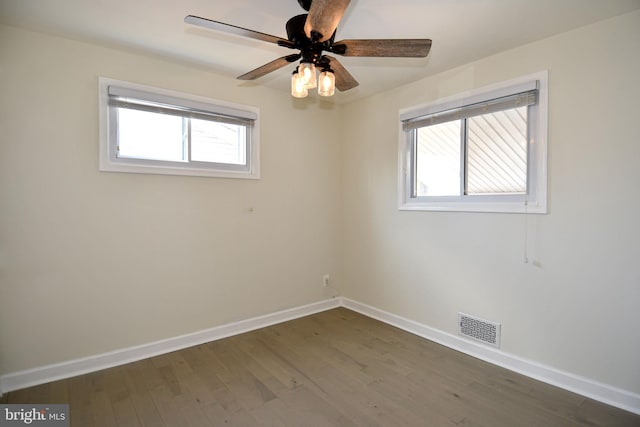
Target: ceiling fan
column 312, row 34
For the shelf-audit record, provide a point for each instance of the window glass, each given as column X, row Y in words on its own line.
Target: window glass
column 218, row 142
column 497, row 152
column 145, row 135
column 438, row 160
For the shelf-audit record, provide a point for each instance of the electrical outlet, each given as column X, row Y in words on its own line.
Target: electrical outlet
column 325, row 280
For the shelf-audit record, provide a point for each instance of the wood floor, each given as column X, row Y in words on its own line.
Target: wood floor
column 336, row 368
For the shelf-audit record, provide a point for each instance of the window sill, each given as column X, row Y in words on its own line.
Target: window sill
column 457, row 204
column 131, row 167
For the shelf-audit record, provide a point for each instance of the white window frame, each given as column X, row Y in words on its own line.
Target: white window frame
column 110, row 162
column 535, row 199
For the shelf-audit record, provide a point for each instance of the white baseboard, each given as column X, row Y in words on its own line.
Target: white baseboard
column 604, row 393
column 584, row 386
column 45, row 374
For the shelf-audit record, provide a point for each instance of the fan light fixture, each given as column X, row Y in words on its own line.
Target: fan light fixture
column 304, row 78
column 311, row 34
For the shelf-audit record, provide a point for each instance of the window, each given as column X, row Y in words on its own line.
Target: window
column 151, row 130
column 483, row 151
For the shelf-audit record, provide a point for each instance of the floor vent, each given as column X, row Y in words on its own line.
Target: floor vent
column 479, row 329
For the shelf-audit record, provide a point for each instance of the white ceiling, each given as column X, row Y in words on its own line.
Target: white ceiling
column 461, row 30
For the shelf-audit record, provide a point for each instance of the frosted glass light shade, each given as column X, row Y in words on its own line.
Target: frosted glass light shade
column 326, row 83
column 308, row 72
column 298, row 88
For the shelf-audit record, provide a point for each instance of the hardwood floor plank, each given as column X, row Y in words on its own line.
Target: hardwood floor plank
column 542, row 397
column 411, row 401
column 268, row 360
column 39, row 394
column 288, row 353
column 306, row 404
column 120, row 396
column 365, row 406
column 144, row 405
column 193, row 383
column 102, row 410
column 335, row 368
column 58, row 392
column 516, row 407
column 275, row 413
column 592, row 412
column 18, row 396
column 81, row 412
column 242, row 383
column 169, row 405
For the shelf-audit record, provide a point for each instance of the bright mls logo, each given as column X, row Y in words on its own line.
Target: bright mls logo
column 35, row 415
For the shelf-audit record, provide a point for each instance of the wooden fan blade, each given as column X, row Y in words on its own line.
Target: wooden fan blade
column 392, row 48
column 269, row 67
column 238, row 31
column 323, row 19
column 344, row 79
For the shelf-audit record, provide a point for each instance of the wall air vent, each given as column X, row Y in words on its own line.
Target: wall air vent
column 479, row 329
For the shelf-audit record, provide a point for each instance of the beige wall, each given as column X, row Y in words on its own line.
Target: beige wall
column 577, row 311
column 92, row 262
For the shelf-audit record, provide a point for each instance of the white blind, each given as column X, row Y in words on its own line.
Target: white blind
column 163, row 104
column 525, row 95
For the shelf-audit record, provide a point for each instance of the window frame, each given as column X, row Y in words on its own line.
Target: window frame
column 190, row 104
column 535, row 198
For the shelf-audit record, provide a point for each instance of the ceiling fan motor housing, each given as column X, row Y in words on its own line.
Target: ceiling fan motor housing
column 295, row 28
column 311, row 50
